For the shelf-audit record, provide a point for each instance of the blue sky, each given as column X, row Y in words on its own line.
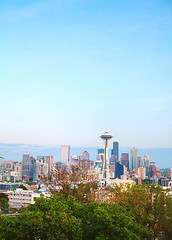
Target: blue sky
column 72, row 69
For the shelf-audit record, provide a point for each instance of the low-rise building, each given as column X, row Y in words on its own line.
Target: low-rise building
column 21, row 196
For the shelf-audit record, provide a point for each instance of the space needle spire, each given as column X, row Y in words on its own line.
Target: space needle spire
column 105, row 172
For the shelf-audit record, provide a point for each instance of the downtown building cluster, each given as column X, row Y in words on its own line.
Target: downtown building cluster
column 29, row 169
column 124, row 167
column 127, row 168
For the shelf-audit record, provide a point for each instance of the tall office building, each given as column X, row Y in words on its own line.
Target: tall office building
column 119, row 170
column 74, row 160
column 146, row 160
column 125, row 160
column 49, row 160
column 170, row 173
column 115, row 150
column 9, row 166
column 26, row 166
column 101, row 150
column 18, row 170
column 133, row 159
column 65, row 153
column 139, row 162
column 141, row 172
column 113, row 159
column 31, row 168
column 84, row 156
column 145, row 163
column 36, row 170
column 100, row 158
column 2, row 165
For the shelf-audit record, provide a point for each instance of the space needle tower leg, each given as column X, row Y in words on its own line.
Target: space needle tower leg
column 106, row 137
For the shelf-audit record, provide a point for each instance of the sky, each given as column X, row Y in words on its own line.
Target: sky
column 72, row 69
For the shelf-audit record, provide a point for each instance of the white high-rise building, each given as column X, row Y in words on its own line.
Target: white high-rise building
column 142, row 172
column 133, row 159
column 65, row 153
column 74, row 160
column 49, row 161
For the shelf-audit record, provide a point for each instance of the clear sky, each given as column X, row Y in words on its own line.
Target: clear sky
column 72, row 69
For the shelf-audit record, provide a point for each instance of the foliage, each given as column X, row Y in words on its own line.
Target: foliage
column 72, row 180
column 59, row 218
column 4, row 200
column 76, row 211
column 4, row 203
column 31, row 183
column 23, row 187
column 3, row 195
column 149, row 205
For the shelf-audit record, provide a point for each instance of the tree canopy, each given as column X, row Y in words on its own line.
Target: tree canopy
column 59, row 218
column 78, row 210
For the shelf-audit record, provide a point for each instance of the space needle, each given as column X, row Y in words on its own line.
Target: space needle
column 105, row 172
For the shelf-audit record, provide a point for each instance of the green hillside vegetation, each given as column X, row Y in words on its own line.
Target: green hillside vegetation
column 59, row 218
column 83, row 211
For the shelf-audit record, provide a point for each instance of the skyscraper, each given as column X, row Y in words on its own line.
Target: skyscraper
column 2, row 165
column 26, row 166
column 125, row 160
column 146, row 163
column 115, row 150
column 49, row 161
column 142, row 172
column 139, row 162
column 133, row 159
column 65, row 153
column 119, row 170
column 84, row 156
column 101, row 150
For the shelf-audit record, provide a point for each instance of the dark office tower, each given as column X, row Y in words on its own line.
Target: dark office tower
column 119, row 170
column 115, row 150
column 125, row 160
column 31, row 168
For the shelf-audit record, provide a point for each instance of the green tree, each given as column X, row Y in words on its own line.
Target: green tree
column 65, row 218
column 149, row 205
column 4, row 200
column 23, row 187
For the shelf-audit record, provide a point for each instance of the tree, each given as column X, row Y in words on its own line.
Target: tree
column 4, row 200
column 149, row 205
column 59, row 218
column 72, row 180
column 23, row 187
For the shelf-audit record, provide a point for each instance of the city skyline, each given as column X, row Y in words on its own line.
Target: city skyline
column 65, row 65
column 15, row 151
column 105, row 168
